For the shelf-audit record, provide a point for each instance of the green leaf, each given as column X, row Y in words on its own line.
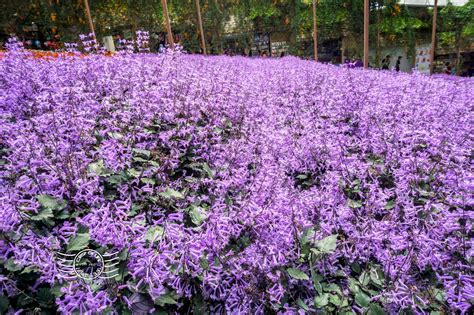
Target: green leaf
column 133, row 172
column 356, row 267
column 376, row 277
column 4, row 302
column 200, row 307
column 30, row 268
column 297, row 274
column 121, row 275
column 139, row 159
column 364, row 278
column 317, row 285
column 372, row 292
column 164, row 299
column 335, row 299
column 12, row 266
column 171, row 193
column 142, row 152
column 154, row 163
column 207, row 170
column 321, row 300
column 307, row 234
column 44, row 214
column 191, row 179
column 99, row 168
column 80, row 241
column 123, row 254
column 353, row 285
column 332, row 287
column 138, row 223
column 115, row 135
column 56, row 290
column 45, row 297
column 375, row 309
column 345, row 302
column 136, row 208
column 327, row 244
column 150, row 181
column 95, row 286
column 203, row 168
column 354, row 203
column 204, row 263
column 302, row 304
column 116, row 179
column 51, row 203
column 154, row 233
column 197, row 215
column 362, row 299
column 23, row 300
column 63, row 215
column 390, row 204
column 438, row 295
column 427, row 193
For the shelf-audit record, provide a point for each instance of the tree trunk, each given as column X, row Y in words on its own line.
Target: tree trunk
column 377, row 52
column 343, row 47
column 315, row 33
column 89, row 18
column 458, row 52
column 433, row 36
column 201, row 29
column 366, row 34
column 166, row 18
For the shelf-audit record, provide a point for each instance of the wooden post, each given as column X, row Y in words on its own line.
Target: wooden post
column 166, row 17
column 89, row 18
column 201, row 29
column 315, row 33
column 366, row 34
column 433, row 36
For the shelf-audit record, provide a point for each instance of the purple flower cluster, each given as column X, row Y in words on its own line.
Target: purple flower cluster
column 143, row 41
column 88, row 42
column 71, row 47
column 13, row 44
column 235, row 185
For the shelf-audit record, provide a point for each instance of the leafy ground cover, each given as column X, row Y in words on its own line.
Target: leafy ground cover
column 234, row 185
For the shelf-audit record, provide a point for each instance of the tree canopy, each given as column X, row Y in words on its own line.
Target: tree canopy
column 391, row 23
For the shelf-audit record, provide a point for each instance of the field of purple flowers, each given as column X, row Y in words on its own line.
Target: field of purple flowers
column 234, row 185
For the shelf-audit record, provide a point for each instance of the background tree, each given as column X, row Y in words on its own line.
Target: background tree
column 339, row 21
column 457, row 28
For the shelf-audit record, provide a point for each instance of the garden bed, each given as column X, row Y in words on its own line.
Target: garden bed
column 230, row 184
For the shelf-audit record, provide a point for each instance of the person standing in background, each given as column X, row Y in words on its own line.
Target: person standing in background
column 386, row 64
column 37, row 44
column 397, row 66
column 447, row 69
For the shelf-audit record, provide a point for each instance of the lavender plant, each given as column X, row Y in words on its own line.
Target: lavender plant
column 234, row 185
